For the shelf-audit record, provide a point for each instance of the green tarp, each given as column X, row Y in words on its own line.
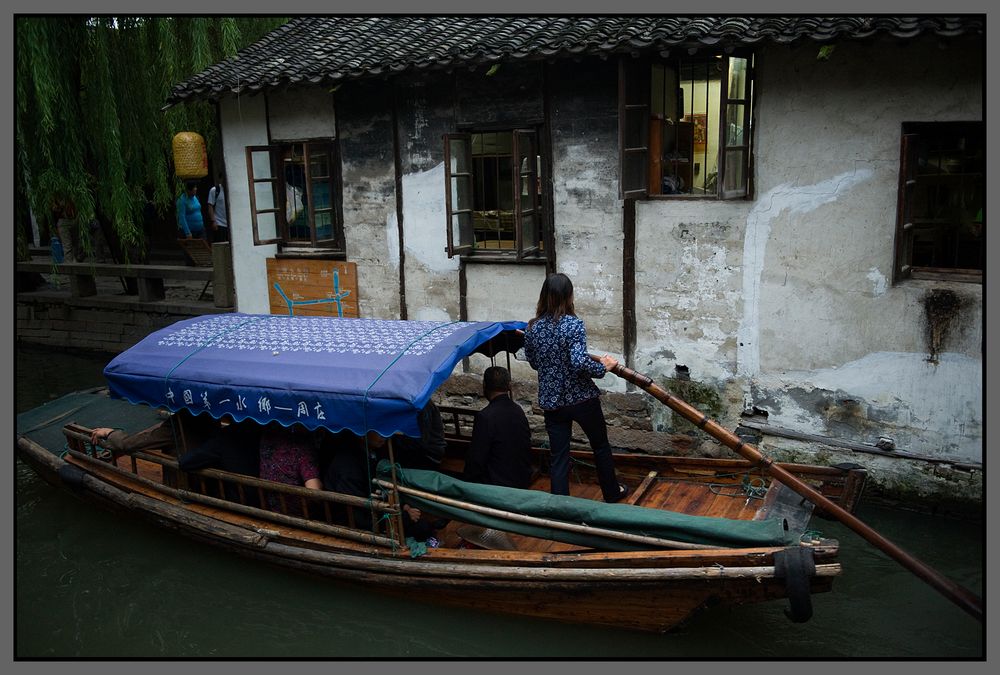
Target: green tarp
column 44, row 424
column 638, row 520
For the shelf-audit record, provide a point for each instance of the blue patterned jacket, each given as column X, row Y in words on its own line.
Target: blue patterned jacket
column 558, row 351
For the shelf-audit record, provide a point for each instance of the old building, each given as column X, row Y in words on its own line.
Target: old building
column 767, row 214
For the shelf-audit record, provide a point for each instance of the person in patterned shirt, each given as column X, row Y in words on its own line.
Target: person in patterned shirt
column 288, row 456
column 555, row 343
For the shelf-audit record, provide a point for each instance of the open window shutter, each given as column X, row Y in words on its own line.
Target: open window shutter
column 458, row 192
column 322, row 194
column 734, row 132
column 307, row 186
column 266, row 210
column 633, row 126
column 907, row 188
column 527, row 223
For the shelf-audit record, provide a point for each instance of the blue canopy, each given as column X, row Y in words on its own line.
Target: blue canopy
column 337, row 373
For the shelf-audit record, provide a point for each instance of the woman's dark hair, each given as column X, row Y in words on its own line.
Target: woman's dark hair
column 556, row 298
column 190, row 185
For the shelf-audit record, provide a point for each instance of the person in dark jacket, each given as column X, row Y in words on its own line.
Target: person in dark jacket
column 199, row 442
column 427, row 451
column 349, row 465
column 500, row 450
column 235, row 449
column 170, row 435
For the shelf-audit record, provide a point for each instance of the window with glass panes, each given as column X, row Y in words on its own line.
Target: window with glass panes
column 494, row 194
column 295, row 195
column 685, row 126
column 940, row 215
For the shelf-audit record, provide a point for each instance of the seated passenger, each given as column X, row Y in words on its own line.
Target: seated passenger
column 427, row 451
column 288, row 456
column 236, row 449
column 350, row 461
column 500, row 450
column 181, row 428
column 350, row 467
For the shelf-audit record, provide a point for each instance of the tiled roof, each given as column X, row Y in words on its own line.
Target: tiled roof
column 333, row 49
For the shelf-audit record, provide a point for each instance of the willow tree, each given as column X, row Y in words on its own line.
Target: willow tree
column 90, row 124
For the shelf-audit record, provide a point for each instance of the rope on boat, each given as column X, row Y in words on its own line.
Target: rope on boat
column 390, row 525
column 750, row 488
column 811, row 535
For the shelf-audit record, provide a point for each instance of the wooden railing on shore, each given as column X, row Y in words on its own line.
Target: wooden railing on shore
column 149, row 278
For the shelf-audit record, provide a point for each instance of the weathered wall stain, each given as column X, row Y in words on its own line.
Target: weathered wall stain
column 941, row 310
column 789, row 197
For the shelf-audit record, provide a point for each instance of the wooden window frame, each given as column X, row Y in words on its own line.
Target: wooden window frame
column 636, row 142
column 724, row 147
column 523, row 251
column 906, row 219
column 276, row 179
column 633, row 99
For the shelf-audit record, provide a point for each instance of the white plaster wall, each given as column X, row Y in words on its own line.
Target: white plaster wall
column 791, row 293
column 503, row 293
column 431, row 276
column 688, row 287
column 588, row 242
column 244, row 123
column 301, row 113
column 369, row 209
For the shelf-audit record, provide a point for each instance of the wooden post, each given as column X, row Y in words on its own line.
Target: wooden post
column 82, row 285
column 151, row 289
column 222, row 280
column 394, row 498
column 655, row 154
column 182, row 477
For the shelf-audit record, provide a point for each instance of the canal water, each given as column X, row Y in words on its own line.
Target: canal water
column 89, row 584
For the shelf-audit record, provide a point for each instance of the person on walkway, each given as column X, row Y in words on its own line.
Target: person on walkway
column 190, row 223
column 67, row 229
column 217, row 216
column 500, row 449
column 555, row 343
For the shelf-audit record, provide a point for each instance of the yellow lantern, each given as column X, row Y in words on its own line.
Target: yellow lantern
column 190, row 156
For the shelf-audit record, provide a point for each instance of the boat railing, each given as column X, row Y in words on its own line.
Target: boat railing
column 177, row 483
column 457, row 421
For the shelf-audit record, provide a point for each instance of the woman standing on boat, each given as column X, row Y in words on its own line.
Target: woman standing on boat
column 555, row 343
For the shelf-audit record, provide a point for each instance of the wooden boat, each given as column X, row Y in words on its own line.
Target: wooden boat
column 693, row 531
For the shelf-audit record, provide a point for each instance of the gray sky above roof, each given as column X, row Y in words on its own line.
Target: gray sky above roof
column 333, row 49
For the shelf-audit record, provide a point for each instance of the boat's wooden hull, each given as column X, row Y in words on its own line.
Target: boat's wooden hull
column 646, row 590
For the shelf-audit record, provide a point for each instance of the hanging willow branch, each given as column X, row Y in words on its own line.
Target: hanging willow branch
column 89, row 124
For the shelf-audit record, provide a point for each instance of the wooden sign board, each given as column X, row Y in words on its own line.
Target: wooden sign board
column 304, row 287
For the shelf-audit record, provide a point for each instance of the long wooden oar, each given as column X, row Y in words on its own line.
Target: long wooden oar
column 961, row 596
